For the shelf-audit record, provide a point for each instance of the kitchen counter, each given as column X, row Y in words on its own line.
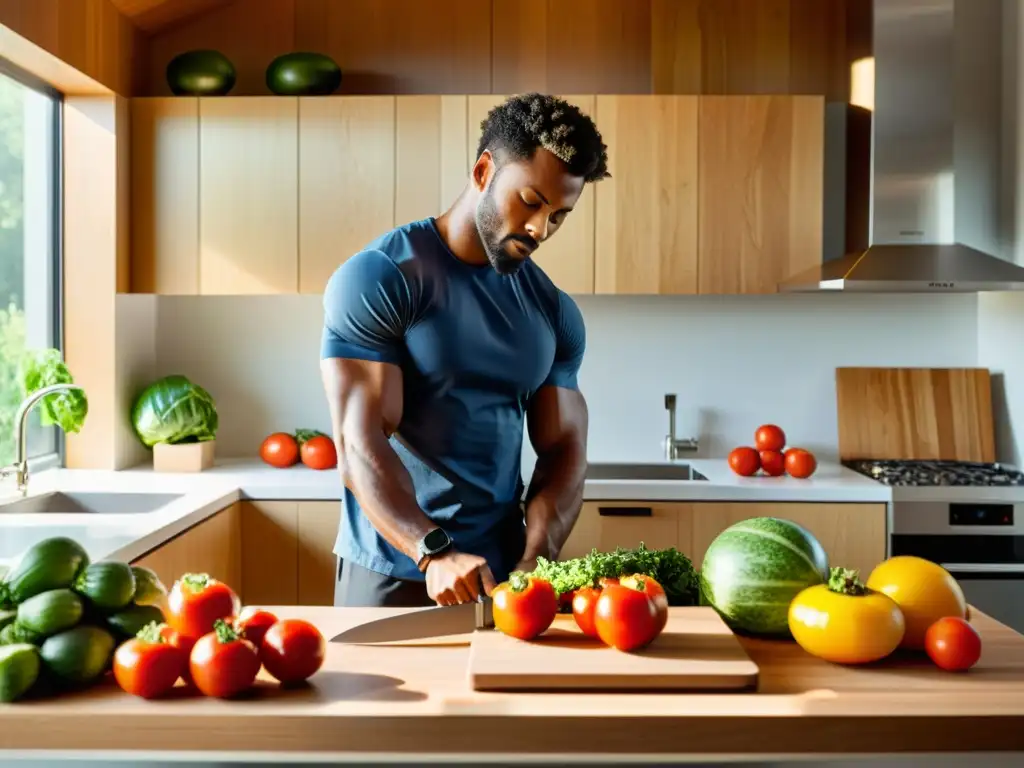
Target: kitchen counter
column 129, row 536
column 414, row 701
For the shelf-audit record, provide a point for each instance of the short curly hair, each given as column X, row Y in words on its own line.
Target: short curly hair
column 523, row 123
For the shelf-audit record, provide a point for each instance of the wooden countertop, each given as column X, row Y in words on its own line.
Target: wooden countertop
column 414, row 700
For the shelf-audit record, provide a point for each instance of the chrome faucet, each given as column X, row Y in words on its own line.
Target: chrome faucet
column 674, row 446
column 20, row 466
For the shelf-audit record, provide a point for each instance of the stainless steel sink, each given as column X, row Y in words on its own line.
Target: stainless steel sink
column 89, row 503
column 643, row 472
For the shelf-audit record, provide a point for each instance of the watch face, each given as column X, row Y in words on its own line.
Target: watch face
column 435, row 540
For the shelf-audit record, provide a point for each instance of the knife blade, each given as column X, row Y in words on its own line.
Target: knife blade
column 425, row 624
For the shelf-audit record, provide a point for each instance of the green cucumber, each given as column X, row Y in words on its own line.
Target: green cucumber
column 19, row 670
column 14, row 633
column 49, row 564
column 7, row 616
column 149, row 590
column 78, row 655
column 128, row 621
column 109, row 584
column 50, row 612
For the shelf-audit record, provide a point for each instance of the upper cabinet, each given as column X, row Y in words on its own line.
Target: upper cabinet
column 248, row 195
column 346, row 181
column 269, row 194
column 761, row 178
column 646, row 222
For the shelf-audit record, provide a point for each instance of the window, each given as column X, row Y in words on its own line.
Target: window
column 29, row 248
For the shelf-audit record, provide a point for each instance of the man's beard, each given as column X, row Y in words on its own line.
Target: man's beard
column 488, row 226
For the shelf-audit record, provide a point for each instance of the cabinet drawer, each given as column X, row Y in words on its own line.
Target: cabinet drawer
column 606, row 525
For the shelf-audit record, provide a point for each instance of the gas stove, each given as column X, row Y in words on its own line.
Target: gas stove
column 968, row 517
column 928, row 473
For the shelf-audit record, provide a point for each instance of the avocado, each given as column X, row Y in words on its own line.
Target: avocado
column 303, row 74
column 200, row 73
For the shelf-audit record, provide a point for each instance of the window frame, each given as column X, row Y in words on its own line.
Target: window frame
column 31, row 81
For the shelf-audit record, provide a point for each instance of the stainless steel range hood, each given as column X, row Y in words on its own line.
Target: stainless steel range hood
column 935, row 156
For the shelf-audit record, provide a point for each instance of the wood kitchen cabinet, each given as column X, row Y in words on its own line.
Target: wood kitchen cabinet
column 853, row 535
column 213, row 546
column 269, row 552
column 164, row 193
column 287, row 552
column 761, row 190
column 646, row 212
column 568, row 257
column 248, row 195
column 268, row 195
column 346, row 180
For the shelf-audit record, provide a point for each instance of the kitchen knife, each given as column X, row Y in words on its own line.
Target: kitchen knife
column 425, row 624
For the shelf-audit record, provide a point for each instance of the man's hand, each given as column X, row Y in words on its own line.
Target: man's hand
column 526, row 566
column 456, row 577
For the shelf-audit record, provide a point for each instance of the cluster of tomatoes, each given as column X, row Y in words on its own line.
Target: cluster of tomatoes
column 625, row 613
column 314, row 449
column 213, row 645
column 770, row 456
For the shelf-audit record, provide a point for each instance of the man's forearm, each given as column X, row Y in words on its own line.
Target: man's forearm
column 554, row 500
column 385, row 492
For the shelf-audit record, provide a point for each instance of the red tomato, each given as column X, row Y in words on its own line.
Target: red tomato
column 524, row 606
column 147, row 665
column 253, row 623
column 223, row 663
column 800, row 463
column 292, row 650
column 953, row 644
column 653, row 590
column 769, row 437
column 280, row 450
column 319, row 453
column 196, row 601
column 744, row 461
column 773, row 463
column 182, row 642
column 584, row 603
column 625, row 618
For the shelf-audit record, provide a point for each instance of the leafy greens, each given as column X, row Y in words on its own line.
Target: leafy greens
column 669, row 567
column 68, row 408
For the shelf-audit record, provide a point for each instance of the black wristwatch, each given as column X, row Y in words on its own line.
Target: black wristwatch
column 430, row 546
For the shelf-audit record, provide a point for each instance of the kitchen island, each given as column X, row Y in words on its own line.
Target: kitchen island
column 413, row 703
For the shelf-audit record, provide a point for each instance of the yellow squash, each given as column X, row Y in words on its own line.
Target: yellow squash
column 844, row 622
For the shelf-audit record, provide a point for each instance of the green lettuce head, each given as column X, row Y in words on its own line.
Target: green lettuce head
column 174, row 410
column 68, row 408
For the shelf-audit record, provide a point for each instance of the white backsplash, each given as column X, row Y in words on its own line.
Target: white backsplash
column 734, row 362
column 1001, row 350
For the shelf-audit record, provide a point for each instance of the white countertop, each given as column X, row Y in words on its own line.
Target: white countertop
column 128, row 536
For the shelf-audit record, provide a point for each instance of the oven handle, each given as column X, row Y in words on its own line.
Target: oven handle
column 966, row 569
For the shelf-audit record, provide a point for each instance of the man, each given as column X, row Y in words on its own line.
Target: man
column 439, row 338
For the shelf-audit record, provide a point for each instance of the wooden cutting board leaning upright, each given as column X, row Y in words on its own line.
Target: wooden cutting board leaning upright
column 695, row 651
column 915, row 413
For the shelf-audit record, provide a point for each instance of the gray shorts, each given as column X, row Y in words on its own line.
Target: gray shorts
column 360, row 587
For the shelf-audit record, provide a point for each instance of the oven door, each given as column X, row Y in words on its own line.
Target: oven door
column 997, row 590
column 981, row 545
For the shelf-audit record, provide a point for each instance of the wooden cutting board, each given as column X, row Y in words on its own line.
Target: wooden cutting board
column 695, row 651
column 915, row 413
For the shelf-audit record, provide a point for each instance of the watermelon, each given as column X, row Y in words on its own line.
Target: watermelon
column 200, row 73
column 753, row 570
column 303, row 74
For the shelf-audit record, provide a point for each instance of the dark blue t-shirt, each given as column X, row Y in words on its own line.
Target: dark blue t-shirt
column 474, row 346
